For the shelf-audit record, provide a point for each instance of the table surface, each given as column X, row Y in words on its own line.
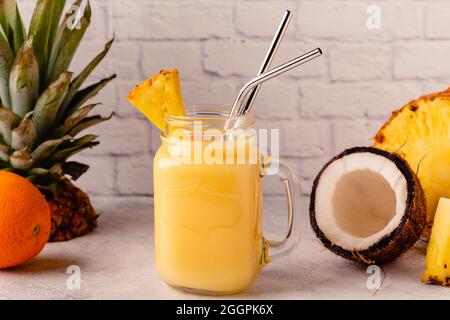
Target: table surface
column 116, row 262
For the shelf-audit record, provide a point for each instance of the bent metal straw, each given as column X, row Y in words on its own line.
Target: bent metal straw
column 238, row 105
column 269, row 57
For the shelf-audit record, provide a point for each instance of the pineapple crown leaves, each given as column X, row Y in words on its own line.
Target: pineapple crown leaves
column 12, row 24
column 43, row 105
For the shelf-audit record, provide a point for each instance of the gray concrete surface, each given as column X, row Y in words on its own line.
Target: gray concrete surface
column 116, row 262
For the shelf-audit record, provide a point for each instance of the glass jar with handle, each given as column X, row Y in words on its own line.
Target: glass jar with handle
column 208, row 203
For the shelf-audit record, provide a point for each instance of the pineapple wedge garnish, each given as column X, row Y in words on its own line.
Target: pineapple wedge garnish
column 437, row 262
column 158, row 96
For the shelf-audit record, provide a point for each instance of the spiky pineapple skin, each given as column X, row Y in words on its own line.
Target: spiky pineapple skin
column 72, row 212
column 419, row 133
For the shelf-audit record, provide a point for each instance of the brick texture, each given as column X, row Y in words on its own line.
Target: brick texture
column 335, row 102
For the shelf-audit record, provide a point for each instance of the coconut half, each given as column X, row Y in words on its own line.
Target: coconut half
column 367, row 205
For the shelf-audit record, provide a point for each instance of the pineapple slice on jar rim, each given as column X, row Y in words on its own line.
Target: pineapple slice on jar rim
column 159, row 95
column 419, row 133
column 437, row 262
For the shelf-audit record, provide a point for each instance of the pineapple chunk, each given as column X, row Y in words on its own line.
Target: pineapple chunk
column 158, row 96
column 419, row 132
column 437, row 262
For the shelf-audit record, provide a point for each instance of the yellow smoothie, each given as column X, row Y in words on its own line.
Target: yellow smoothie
column 208, row 233
column 208, row 213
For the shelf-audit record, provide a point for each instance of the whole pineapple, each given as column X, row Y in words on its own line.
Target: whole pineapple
column 43, row 108
column 419, row 132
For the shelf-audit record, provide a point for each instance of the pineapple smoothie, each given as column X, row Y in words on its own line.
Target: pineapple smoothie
column 207, row 182
column 207, row 219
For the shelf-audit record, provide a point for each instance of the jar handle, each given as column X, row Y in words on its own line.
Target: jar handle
column 291, row 185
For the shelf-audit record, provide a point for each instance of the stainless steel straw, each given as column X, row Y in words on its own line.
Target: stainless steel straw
column 269, row 57
column 238, row 105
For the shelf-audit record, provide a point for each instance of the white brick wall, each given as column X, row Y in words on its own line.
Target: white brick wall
column 333, row 103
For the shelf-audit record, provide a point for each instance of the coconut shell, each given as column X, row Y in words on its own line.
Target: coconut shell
column 409, row 230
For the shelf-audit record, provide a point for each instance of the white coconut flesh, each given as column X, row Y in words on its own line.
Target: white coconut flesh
column 360, row 198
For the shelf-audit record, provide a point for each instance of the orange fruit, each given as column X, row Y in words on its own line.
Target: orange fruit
column 24, row 220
